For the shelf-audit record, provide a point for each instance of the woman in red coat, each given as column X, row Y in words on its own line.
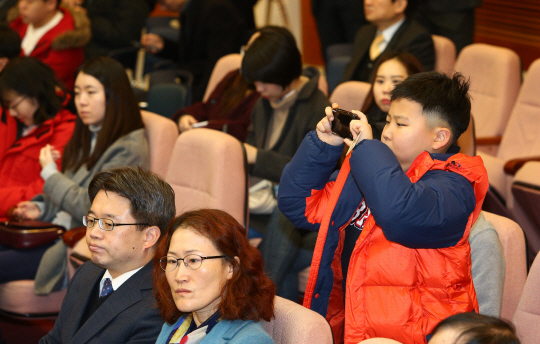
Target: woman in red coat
column 31, row 94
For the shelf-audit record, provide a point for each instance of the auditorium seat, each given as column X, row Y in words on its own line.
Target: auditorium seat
column 495, row 77
column 295, row 324
column 207, row 169
column 161, row 133
column 520, row 140
column 527, row 315
column 513, row 243
column 223, row 66
column 350, row 95
column 526, row 205
column 445, row 54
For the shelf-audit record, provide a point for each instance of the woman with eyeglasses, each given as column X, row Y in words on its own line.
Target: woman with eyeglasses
column 31, row 94
column 109, row 132
column 209, row 282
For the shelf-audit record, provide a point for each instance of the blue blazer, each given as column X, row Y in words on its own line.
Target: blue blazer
column 226, row 331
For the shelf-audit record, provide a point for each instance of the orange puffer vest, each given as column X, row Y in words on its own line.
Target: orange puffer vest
column 398, row 292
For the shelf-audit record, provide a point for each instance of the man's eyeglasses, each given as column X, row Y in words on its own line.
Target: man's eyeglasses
column 191, row 261
column 106, row 224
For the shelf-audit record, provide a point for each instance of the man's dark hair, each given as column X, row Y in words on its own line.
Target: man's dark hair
column 440, row 96
column 151, row 198
column 272, row 57
column 476, row 328
column 10, row 42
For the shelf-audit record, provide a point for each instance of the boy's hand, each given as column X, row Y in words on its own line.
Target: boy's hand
column 324, row 128
column 359, row 127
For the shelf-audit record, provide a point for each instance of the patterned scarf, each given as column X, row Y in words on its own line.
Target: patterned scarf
column 187, row 332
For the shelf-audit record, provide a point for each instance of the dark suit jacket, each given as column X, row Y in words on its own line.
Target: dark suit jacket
column 410, row 37
column 129, row 315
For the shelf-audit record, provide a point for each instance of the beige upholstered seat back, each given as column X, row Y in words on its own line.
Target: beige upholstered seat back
column 207, row 170
column 526, row 205
column 161, row 133
column 495, row 75
column 521, row 137
column 445, row 54
column 527, row 316
column 223, row 66
column 350, row 95
column 296, row 324
column 513, row 243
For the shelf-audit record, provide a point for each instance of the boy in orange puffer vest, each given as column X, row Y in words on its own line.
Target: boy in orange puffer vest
column 392, row 257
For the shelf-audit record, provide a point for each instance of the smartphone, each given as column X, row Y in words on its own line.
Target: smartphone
column 340, row 124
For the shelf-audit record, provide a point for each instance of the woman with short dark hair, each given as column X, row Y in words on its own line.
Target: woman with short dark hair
column 209, row 282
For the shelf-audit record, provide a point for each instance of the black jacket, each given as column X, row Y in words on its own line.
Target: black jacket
column 410, row 37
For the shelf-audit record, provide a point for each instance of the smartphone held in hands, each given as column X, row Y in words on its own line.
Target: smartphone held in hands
column 340, row 124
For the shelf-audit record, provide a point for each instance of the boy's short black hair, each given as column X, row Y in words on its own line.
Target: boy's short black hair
column 272, row 57
column 440, row 96
column 10, row 42
column 476, row 328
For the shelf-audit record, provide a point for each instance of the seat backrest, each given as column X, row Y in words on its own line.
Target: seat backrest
column 521, row 137
column 207, row 170
column 513, row 243
column 165, row 99
column 445, row 54
column 161, row 133
column 526, row 205
column 223, row 66
column 495, row 76
column 296, row 324
column 350, row 95
column 528, row 311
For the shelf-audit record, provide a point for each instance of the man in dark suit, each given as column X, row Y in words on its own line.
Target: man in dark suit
column 110, row 300
column 390, row 29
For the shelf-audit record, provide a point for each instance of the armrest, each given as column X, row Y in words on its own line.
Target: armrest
column 512, row 166
column 484, row 141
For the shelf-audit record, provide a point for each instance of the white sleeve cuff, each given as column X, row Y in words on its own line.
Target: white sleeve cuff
column 49, row 170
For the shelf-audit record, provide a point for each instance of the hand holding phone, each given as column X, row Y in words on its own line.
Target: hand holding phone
column 340, row 124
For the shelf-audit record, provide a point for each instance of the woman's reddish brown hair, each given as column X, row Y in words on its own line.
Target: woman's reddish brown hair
column 248, row 295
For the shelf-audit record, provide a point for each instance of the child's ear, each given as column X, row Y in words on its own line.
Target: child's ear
column 442, row 138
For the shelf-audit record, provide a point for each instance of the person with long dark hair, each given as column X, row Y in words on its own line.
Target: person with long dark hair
column 109, row 133
column 33, row 96
column 391, row 69
column 209, row 282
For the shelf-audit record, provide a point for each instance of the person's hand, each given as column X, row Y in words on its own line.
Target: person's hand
column 47, row 155
column 186, row 122
column 359, row 127
column 152, row 43
column 324, row 128
column 27, row 211
column 251, row 153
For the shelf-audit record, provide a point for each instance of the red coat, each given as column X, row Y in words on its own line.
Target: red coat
column 20, row 168
column 62, row 46
column 8, row 132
